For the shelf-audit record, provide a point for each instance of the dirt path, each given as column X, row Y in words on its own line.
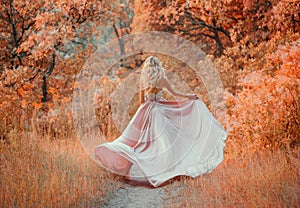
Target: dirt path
column 139, row 193
column 138, row 196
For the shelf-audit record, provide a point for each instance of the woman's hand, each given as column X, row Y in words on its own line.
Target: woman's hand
column 193, row 97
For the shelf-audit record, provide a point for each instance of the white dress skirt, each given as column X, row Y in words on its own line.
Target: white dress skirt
column 165, row 139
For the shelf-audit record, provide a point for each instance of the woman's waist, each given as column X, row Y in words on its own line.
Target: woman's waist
column 151, row 96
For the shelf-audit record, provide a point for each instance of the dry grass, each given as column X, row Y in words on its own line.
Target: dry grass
column 42, row 172
column 264, row 180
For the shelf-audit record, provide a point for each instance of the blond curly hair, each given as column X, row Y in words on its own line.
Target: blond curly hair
column 151, row 72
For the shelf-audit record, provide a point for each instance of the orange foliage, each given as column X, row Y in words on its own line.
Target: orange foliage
column 43, row 46
column 217, row 25
column 257, row 51
column 203, row 21
column 265, row 113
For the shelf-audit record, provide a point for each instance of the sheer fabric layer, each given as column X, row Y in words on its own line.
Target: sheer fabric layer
column 165, row 139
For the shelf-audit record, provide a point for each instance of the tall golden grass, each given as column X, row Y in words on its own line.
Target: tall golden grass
column 44, row 171
column 261, row 180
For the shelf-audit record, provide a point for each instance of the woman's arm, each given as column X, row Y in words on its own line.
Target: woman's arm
column 165, row 83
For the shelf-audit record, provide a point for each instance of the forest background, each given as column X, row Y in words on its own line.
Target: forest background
column 254, row 45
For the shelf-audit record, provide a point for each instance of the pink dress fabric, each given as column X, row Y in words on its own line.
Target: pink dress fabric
column 165, row 139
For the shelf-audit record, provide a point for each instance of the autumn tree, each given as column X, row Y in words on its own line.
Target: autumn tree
column 265, row 112
column 258, row 23
column 43, row 45
column 122, row 22
column 215, row 25
column 199, row 21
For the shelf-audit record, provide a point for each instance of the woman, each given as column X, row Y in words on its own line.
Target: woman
column 164, row 138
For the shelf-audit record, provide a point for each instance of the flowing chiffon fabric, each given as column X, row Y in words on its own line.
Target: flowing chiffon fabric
column 165, row 139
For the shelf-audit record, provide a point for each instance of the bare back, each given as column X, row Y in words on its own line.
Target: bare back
column 163, row 83
column 154, row 89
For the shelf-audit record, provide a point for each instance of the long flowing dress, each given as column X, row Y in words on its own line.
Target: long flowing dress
column 165, row 139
